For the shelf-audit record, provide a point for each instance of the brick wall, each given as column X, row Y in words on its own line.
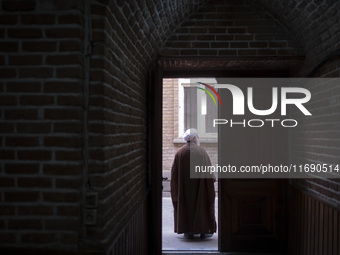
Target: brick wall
column 58, row 130
column 126, row 36
column 74, row 97
column 170, row 123
column 317, row 139
column 117, row 113
column 231, row 28
column 314, row 24
column 41, row 79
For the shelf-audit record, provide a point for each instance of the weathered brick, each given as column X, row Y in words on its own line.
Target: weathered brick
column 35, row 210
column 6, row 181
column 40, row 46
column 17, row 114
column 36, row 100
column 8, row 19
column 7, row 210
column 208, row 52
column 71, row 46
column 67, row 127
column 239, row 45
column 189, row 52
column 68, row 155
column 22, row 141
column 62, row 87
column 277, row 44
column 228, row 52
column 25, row 224
column 61, row 169
column 205, row 37
column 286, row 52
column 64, row 33
column 7, row 72
column 266, row 52
column 21, row 86
column 21, row 168
column 34, row 155
column 41, row 72
column 66, row 142
column 68, row 59
column 39, row 19
column 70, row 19
column 68, row 238
column 7, row 154
column 34, row 128
column 24, row 33
column 62, row 224
column 258, row 45
column 61, row 197
column 8, row 100
column 219, row 45
column 39, row 238
column 237, row 30
column 62, row 114
column 7, row 238
column 246, row 52
column 68, row 211
column 38, row 182
column 21, row 196
column 75, row 73
column 15, row 6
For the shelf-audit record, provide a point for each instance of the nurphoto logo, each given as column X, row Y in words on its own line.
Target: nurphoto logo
column 301, row 97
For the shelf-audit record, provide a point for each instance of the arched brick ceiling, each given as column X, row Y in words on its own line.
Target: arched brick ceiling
column 231, row 30
column 310, row 21
column 315, row 23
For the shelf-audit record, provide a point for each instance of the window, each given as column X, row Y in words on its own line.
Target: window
column 196, row 108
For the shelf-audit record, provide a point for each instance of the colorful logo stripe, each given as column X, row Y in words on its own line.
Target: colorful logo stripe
column 209, row 95
column 213, row 90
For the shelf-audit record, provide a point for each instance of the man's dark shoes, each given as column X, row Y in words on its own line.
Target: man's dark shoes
column 188, row 236
column 204, row 236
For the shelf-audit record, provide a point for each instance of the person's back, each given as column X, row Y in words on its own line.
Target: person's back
column 193, row 199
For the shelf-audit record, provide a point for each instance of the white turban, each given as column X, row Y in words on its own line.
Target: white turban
column 190, row 135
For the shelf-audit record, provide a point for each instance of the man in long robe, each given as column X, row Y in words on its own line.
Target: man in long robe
column 193, row 199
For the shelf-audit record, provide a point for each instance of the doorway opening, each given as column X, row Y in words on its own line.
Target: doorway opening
column 181, row 111
column 250, row 213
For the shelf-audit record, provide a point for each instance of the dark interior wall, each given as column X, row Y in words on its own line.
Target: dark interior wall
column 315, row 202
column 126, row 36
column 74, row 102
column 74, row 118
column 314, row 24
column 316, row 140
column 41, row 98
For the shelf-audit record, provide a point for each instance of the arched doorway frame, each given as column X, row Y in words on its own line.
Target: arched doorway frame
column 181, row 67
